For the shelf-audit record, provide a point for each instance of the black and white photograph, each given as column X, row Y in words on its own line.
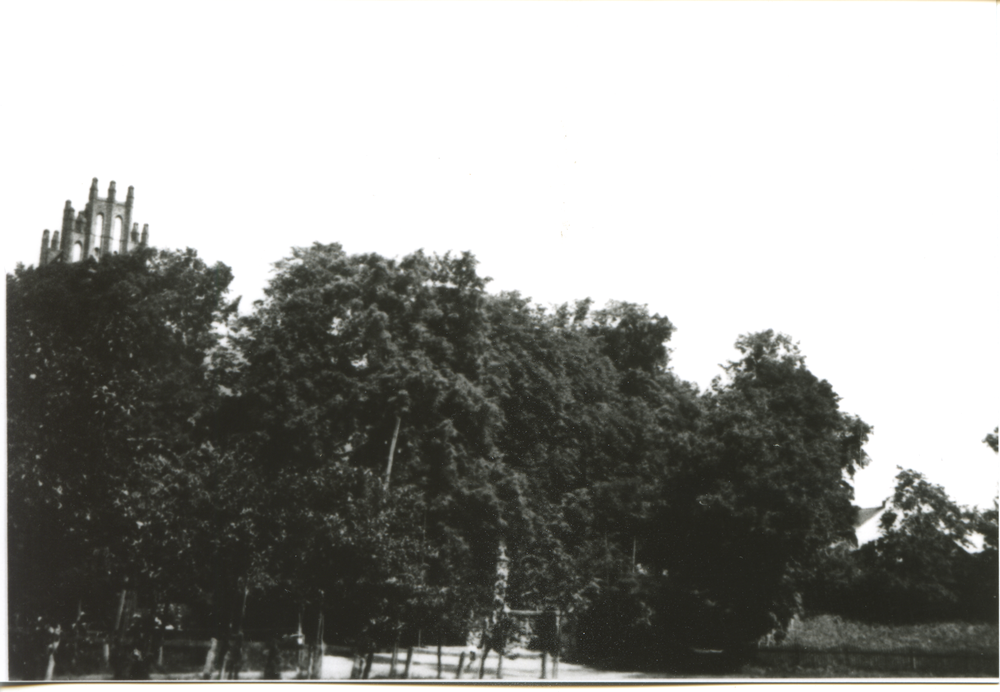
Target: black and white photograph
column 463, row 343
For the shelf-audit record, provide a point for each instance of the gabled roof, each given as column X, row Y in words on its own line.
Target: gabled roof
column 867, row 524
column 868, row 528
column 864, row 514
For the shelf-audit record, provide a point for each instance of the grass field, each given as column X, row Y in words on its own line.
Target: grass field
column 827, row 646
column 830, row 632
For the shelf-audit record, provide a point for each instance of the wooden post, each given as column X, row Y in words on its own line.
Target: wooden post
column 461, row 664
column 409, row 659
column 395, row 657
column 392, row 450
column 545, row 660
column 368, row 665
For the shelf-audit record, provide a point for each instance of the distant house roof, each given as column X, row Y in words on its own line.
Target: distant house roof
column 865, row 514
column 867, row 526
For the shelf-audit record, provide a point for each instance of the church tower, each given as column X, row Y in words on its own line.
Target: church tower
column 104, row 227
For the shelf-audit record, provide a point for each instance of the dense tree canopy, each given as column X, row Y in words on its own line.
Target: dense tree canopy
column 375, row 432
column 763, row 490
column 106, row 387
column 933, row 560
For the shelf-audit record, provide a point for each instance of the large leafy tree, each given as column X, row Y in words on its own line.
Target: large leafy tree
column 745, row 514
column 933, row 560
column 356, row 361
column 503, row 422
column 914, row 570
column 106, row 383
column 593, row 418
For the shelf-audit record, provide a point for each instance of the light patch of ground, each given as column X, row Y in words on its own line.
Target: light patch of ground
column 519, row 665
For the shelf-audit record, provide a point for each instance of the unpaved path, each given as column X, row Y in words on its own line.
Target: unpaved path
column 521, row 665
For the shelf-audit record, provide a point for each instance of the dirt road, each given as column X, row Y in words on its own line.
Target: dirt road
column 520, row 665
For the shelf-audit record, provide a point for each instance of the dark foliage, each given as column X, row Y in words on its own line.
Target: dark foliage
column 349, row 457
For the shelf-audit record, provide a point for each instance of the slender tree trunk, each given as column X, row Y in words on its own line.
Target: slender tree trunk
column 461, row 664
column 213, row 650
column 409, row 660
column 272, row 665
column 440, row 637
column 555, row 656
column 392, row 451
column 53, row 645
column 121, row 610
column 236, row 648
column 222, row 617
column 317, row 669
column 482, row 663
column 120, row 657
column 395, row 657
column 225, row 664
column 301, row 651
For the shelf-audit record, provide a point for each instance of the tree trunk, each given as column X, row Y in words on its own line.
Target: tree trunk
column 120, row 653
column 213, row 650
column 555, row 655
column 226, row 659
column 53, row 645
column 395, row 657
column 439, row 654
column 121, row 610
column 272, row 663
column 317, row 669
column 236, row 649
column 300, row 650
column 392, row 450
column 409, row 659
column 482, row 663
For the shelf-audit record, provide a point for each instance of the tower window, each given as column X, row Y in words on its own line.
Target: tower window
column 77, row 252
column 116, row 235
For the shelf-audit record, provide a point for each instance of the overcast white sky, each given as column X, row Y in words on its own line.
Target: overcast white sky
column 828, row 170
